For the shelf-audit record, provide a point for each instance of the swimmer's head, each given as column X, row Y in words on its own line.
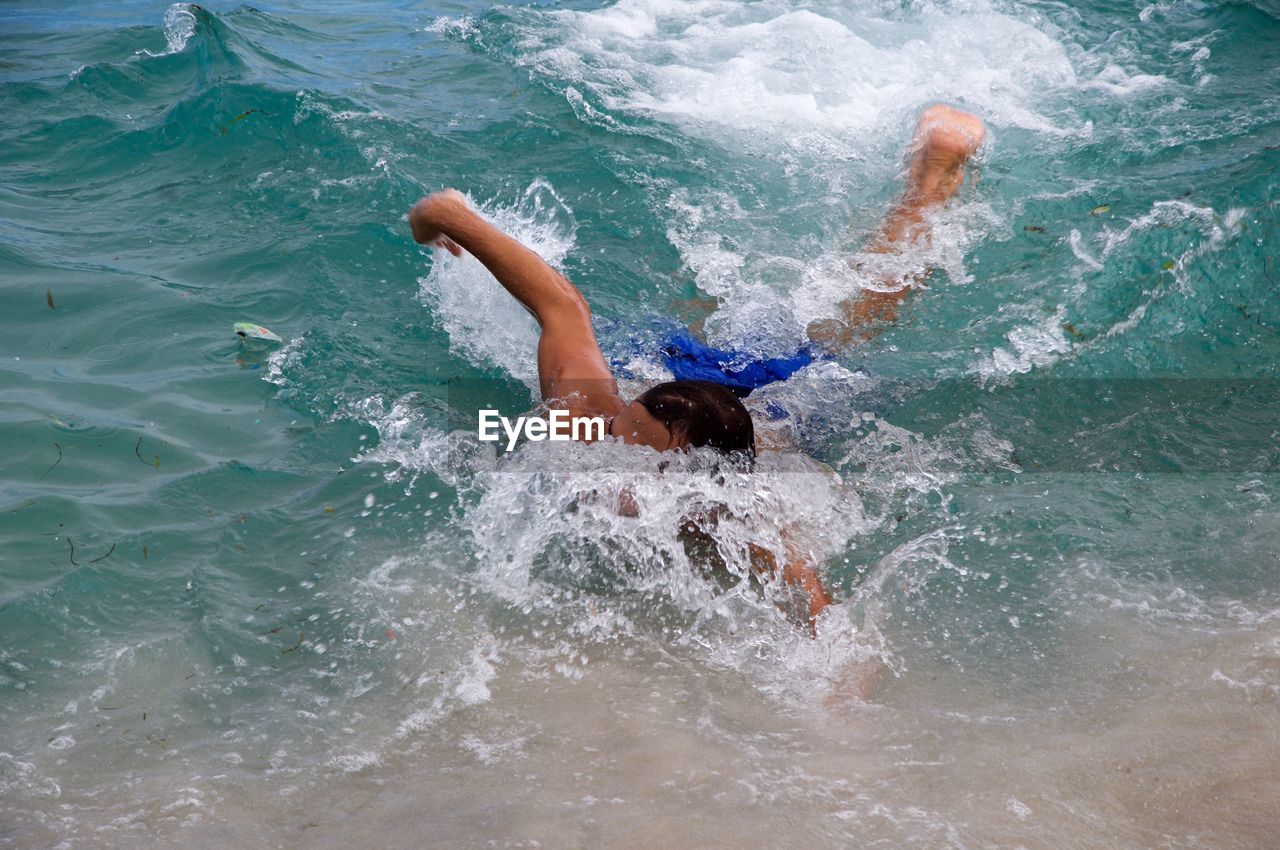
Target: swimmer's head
column 687, row 414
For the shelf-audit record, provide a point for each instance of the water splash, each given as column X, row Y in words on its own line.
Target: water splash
column 179, row 26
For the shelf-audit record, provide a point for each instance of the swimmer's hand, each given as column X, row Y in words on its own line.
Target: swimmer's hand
column 430, row 217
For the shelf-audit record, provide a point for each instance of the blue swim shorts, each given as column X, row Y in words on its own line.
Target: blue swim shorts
column 691, row 359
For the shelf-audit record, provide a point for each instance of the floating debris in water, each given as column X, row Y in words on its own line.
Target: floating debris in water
column 248, row 331
column 48, row 297
column 1100, row 209
column 55, row 463
column 1033, row 228
column 226, row 128
column 137, row 451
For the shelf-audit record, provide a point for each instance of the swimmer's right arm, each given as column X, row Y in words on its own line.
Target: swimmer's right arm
column 570, row 364
column 798, row 572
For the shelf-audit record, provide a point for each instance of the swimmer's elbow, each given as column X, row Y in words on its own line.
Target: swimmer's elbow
column 627, row 504
column 563, row 307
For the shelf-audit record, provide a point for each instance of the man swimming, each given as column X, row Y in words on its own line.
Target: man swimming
column 574, row 375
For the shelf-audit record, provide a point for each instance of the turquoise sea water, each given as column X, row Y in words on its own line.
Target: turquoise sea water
column 279, row 596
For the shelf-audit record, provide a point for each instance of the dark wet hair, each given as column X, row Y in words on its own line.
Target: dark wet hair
column 702, row 414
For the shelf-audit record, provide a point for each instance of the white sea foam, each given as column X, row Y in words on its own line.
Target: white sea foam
column 826, row 73
column 1038, row 344
column 280, row 361
column 355, row 762
column 1123, row 82
column 407, row 442
column 460, row 27
column 179, row 27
